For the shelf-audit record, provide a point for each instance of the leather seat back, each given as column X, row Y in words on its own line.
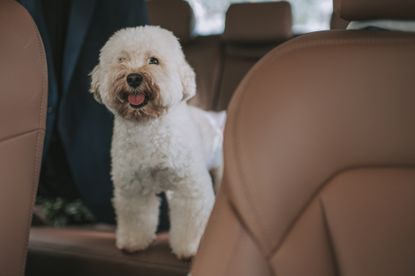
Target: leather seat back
column 337, row 23
column 251, row 31
column 181, row 24
column 202, row 52
column 23, row 98
column 320, row 163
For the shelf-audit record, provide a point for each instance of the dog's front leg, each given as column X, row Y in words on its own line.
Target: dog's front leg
column 137, row 219
column 189, row 213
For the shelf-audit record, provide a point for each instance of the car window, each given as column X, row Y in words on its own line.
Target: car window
column 309, row 15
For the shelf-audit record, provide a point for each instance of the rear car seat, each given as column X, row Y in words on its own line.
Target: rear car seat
column 91, row 250
column 337, row 23
column 87, row 251
column 202, row 52
column 251, row 31
column 320, row 156
column 23, row 100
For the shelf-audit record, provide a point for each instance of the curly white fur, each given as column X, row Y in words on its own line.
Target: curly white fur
column 163, row 146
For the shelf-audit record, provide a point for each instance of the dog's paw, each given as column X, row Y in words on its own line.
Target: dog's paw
column 184, row 251
column 133, row 242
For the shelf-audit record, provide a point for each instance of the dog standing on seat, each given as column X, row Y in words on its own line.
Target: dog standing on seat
column 159, row 144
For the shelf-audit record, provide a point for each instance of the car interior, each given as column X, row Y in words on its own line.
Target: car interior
column 319, row 148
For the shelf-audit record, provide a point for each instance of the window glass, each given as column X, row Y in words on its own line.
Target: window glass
column 309, row 15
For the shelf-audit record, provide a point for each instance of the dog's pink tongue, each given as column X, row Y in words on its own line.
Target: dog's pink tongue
column 136, row 99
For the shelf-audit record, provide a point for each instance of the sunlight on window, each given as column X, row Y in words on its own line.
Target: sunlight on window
column 309, row 15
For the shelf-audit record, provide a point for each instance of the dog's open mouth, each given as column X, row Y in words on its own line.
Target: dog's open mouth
column 137, row 100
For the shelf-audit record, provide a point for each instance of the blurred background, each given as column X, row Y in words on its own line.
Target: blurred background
column 309, row 15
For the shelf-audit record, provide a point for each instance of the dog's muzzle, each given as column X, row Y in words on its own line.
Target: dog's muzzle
column 135, row 98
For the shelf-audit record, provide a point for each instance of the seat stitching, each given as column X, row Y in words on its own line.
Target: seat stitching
column 234, row 249
column 14, row 136
column 244, row 189
column 248, row 232
column 329, row 236
column 40, row 136
column 245, row 229
column 319, row 189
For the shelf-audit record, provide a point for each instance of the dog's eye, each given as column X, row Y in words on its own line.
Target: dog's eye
column 153, row 60
column 121, row 59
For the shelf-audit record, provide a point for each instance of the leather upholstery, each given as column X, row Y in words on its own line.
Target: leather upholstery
column 258, row 22
column 77, row 251
column 252, row 30
column 379, row 9
column 320, row 163
column 181, row 23
column 337, row 23
column 202, row 52
column 204, row 55
column 23, row 95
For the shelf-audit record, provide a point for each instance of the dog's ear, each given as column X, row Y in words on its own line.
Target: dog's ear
column 94, row 89
column 188, row 79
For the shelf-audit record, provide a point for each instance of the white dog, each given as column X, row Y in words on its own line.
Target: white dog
column 159, row 142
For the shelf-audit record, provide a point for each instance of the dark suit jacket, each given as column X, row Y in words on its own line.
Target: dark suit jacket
column 85, row 127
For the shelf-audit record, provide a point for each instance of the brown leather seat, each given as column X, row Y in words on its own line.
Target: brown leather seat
column 251, row 31
column 204, row 55
column 92, row 251
column 23, row 98
column 181, row 24
column 337, row 23
column 202, row 52
column 320, row 163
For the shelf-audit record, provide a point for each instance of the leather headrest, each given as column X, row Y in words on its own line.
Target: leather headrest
column 258, row 22
column 375, row 9
column 174, row 15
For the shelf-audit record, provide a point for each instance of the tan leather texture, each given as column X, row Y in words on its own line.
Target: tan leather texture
column 379, row 9
column 227, row 248
column 77, row 251
column 204, row 55
column 361, row 223
column 252, row 30
column 258, row 22
column 237, row 60
column 174, row 15
column 23, row 97
column 319, row 163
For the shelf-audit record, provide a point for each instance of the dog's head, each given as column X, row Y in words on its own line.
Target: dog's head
column 142, row 72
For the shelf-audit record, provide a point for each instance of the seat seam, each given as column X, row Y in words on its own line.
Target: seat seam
column 244, row 229
column 35, row 180
column 18, row 135
column 234, row 247
column 318, row 191
column 236, row 154
column 237, row 218
column 330, row 238
column 40, row 135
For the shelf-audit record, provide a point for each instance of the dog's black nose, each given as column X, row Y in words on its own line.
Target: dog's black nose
column 134, row 80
